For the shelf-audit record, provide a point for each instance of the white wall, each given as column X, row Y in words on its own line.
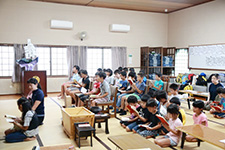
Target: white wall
column 23, row 19
column 203, row 24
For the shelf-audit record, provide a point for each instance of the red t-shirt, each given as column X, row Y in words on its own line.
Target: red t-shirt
column 97, row 86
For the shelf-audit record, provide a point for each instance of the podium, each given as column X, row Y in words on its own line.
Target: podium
column 29, row 74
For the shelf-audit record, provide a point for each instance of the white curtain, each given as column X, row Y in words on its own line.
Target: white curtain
column 119, row 57
column 72, row 58
column 83, row 57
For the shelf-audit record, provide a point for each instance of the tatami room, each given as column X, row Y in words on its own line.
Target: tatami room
column 43, row 41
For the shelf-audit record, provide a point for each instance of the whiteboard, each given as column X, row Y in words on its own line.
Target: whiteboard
column 207, row 57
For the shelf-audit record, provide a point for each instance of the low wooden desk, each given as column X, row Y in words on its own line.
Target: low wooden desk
column 132, row 141
column 196, row 94
column 58, row 147
column 203, row 133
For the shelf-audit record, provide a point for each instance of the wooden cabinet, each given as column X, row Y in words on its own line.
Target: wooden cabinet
column 29, row 74
column 150, row 68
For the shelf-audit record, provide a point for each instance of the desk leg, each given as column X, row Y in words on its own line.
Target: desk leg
column 91, row 138
column 94, row 128
column 188, row 100
column 79, row 141
column 183, row 140
column 199, row 142
column 106, row 127
column 99, row 125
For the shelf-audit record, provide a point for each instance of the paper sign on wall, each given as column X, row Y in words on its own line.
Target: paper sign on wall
column 130, row 59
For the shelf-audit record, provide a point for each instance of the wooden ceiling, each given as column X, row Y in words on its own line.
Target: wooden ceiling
column 138, row 5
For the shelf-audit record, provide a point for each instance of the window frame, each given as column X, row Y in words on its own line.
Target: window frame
column 187, row 60
column 50, row 47
column 102, row 48
column 6, row 77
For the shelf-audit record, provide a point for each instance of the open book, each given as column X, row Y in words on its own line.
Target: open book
column 83, row 90
column 217, row 107
column 9, row 120
column 132, row 109
column 144, row 125
column 125, row 119
column 10, row 116
column 162, row 119
column 93, row 96
column 130, row 81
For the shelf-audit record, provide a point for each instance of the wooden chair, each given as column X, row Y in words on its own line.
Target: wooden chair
column 113, row 90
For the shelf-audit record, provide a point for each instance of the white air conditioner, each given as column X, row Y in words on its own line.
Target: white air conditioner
column 119, row 28
column 60, row 24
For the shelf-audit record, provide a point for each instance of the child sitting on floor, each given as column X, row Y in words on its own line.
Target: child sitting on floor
column 199, row 118
column 173, row 137
column 220, row 114
column 132, row 101
column 142, row 117
column 153, row 126
column 182, row 115
column 27, row 125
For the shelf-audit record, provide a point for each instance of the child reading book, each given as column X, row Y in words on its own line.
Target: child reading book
column 158, row 84
column 138, row 90
column 173, row 137
column 220, row 111
column 132, row 101
column 181, row 115
column 104, row 95
column 28, row 124
column 161, row 96
column 142, row 116
column 199, row 117
column 124, row 93
column 152, row 127
column 94, row 91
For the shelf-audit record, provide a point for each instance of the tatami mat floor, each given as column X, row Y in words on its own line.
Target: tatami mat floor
column 51, row 133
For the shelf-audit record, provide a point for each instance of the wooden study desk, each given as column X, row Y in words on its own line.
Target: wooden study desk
column 196, row 94
column 203, row 133
column 132, row 141
column 58, row 147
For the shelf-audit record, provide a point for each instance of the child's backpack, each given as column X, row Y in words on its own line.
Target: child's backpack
column 189, row 87
column 182, row 86
column 190, row 77
column 222, row 77
column 201, row 80
column 179, row 78
column 184, row 79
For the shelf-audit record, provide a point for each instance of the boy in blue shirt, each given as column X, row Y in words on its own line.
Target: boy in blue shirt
column 158, row 85
column 138, row 90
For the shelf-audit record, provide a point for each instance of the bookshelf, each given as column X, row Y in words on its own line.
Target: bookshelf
column 150, row 68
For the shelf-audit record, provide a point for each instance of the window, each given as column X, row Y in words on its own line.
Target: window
column 43, row 54
column 181, row 61
column 6, row 60
column 53, row 60
column 98, row 58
